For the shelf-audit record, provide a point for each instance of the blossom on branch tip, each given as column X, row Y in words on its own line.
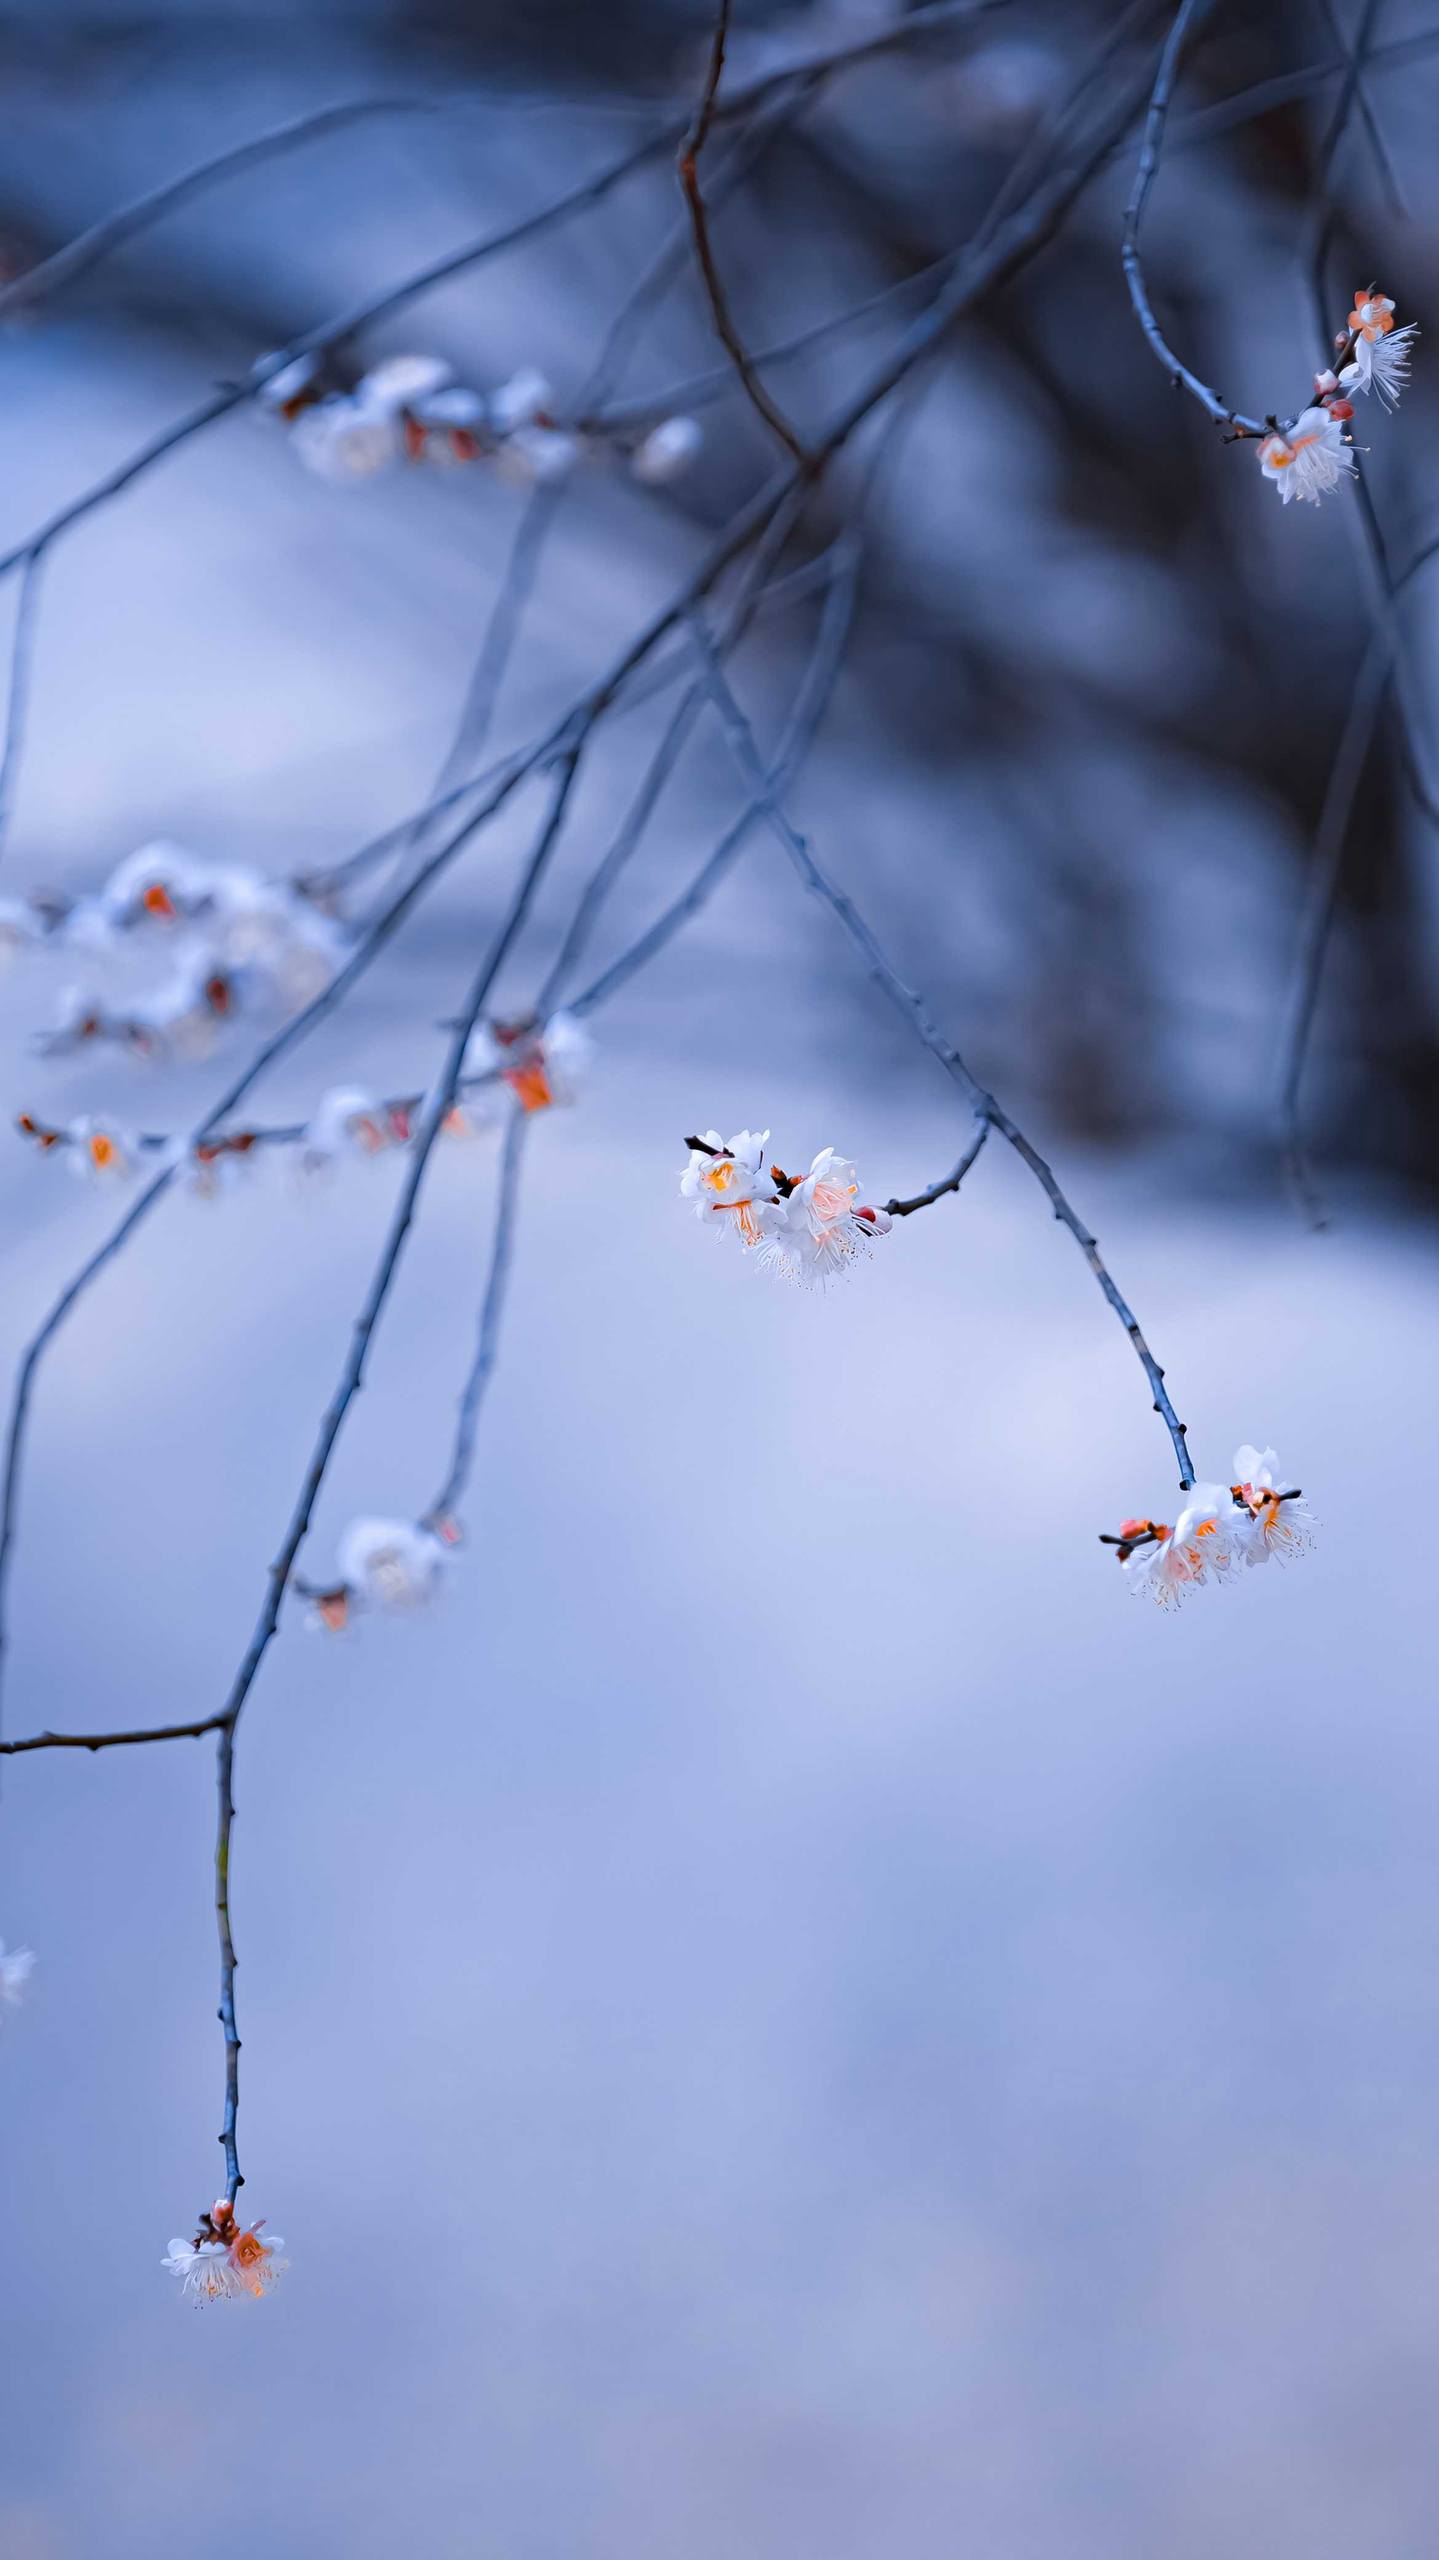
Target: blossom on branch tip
column 226, row 2260
column 539, row 456
column 1168, row 1559
column 1265, row 1520
column 729, row 1185
column 1307, row 459
column 1381, row 354
column 345, row 438
column 16, row 1967
column 391, row 1564
column 823, row 1231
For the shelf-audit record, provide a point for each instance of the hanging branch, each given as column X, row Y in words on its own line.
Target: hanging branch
column 912, row 1005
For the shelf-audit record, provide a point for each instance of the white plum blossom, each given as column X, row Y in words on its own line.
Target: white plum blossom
column 543, row 1064
column 392, row 1564
column 667, row 450
column 1168, row 1559
column 1381, row 353
column 402, row 381
column 1307, row 459
column 729, row 1186
column 100, row 1151
column 540, row 456
column 227, row 2260
column 823, row 1232
column 526, row 397
column 1267, row 1519
column 347, row 438
column 16, row 1966
column 345, row 1121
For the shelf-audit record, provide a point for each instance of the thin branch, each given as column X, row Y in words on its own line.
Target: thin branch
column 109, row 1741
column 21, row 652
column 725, row 330
column 492, row 1310
column 1357, row 88
column 1186, row 18
column 951, row 1182
column 1321, row 897
column 224, row 1825
column 912, row 1005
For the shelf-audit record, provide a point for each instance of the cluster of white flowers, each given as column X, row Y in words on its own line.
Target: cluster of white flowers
column 1220, row 1529
column 394, row 1565
column 411, row 409
column 231, row 938
column 16, row 1966
column 1311, row 456
column 807, row 1226
column 529, row 1065
column 226, row 2260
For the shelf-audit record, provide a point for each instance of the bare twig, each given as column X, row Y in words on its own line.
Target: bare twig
column 492, row 1307
column 951, row 1181
column 1186, row 18
column 21, row 648
column 728, row 335
column 1321, row 895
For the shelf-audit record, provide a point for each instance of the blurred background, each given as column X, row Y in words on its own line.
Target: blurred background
column 787, row 2012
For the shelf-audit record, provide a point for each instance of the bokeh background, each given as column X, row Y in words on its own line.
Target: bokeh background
column 788, row 2013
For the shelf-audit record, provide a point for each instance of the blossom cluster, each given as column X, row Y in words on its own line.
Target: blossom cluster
column 232, row 940
column 807, row 1227
column 540, row 1065
column 1220, row 1529
column 1311, row 456
column 394, row 1565
column 411, row 409
column 226, row 2259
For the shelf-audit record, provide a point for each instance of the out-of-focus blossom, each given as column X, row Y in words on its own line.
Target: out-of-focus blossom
column 539, row 455
column 1168, row 1560
column 16, row 1966
column 227, row 2260
column 100, row 1151
column 543, row 1063
column 448, row 427
column 1267, row 1519
column 667, row 451
column 729, row 1186
column 400, row 382
column 520, row 402
column 1307, row 459
column 391, row 1564
column 345, row 1121
column 346, row 438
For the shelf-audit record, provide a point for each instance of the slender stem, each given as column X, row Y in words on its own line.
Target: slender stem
column 22, row 648
column 1186, row 18
column 1320, row 903
column 725, row 330
column 492, row 1310
column 224, row 1783
column 951, row 1181
column 108, row 1741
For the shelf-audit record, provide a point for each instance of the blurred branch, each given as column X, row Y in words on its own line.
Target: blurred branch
column 21, row 648
column 691, row 145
